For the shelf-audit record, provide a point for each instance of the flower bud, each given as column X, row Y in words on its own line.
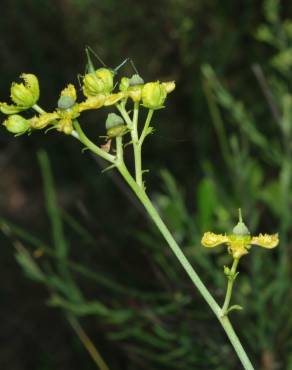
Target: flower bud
column 16, row 124
column 98, row 82
column 115, row 125
column 25, row 94
column 153, row 95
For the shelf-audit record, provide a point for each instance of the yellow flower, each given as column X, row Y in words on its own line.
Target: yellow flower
column 153, row 95
column 24, row 95
column 239, row 242
column 98, row 82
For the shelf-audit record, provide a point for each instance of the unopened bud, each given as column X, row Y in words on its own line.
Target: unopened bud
column 153, row 95
column 16, row 124
column 98, row 82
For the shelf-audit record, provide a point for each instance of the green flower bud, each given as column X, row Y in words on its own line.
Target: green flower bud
column 153, row 95
column 115, row 125
column 16, row 124
column 98, row 82
column 25, row 94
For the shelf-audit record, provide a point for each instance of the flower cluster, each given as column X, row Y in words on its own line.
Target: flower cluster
column 98, row 87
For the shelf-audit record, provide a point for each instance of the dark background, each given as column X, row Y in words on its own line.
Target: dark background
column 194, row 185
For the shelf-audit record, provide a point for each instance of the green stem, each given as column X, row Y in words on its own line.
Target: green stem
column 38, row 109
column 146, row 126
column 119, row 149
column 187, row 266
column 230, row 283
column 154, row 215
column 137, row 148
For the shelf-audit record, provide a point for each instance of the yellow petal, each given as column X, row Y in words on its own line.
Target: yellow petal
column 93, row 102
column 211, row 240
column 266, row 240
column 113, row 98
column 42, row 121
column 65, row 125
column 69, row 91
column 10, row 109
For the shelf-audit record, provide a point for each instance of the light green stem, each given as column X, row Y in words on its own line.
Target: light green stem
column 137, row 148
column 154, row 215
column 38, row 109
column 187, row 267
column 146, row 127
column 230, row 283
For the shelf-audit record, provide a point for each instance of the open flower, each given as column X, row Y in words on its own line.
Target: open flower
column 240, row 241
column 24, row 95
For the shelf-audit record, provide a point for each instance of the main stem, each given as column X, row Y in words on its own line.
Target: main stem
column 187, row 267
column 142, row 196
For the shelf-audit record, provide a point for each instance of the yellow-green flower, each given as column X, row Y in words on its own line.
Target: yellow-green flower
column 153, row 95
column 99, row 82
column 239, row 242
column 16, row 124
column 24, row 95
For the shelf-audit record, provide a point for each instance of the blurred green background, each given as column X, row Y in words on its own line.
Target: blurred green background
column 223, row 142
